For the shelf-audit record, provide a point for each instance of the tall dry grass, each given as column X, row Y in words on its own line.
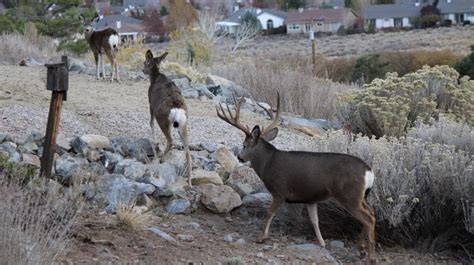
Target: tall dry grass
column 15, row 47
column 302, row 93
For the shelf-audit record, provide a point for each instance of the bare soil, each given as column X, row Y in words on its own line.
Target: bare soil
column 116, row 109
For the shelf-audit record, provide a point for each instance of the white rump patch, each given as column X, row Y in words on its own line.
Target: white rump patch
column 369, row 179
column 177, row 115
column 114, row 41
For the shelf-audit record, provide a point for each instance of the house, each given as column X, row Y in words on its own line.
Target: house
column 269, row 19
column 127, row 27
column 319, row 20
column 141, row 3
column 400, row 14
column 458, row 11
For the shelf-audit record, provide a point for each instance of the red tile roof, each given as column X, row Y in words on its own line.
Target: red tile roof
column 309, row 15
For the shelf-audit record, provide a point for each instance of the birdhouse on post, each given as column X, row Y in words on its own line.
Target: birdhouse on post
column 57, row 81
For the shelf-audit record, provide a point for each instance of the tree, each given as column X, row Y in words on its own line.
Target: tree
column 430, row 15
column 206, row 24
column 164, row 11
column 153, row 22
column 466, row 65
column 291, row 4
column 182, row 14
column 248, row 29
column 369, row 67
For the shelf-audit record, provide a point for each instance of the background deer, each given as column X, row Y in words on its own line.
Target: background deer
column 167, row 106
column 306, row 177
column 104, row 41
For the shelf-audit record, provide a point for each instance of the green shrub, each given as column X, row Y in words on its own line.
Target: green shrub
column 78, row 47
column 369, row 67
column 466, row 65
column 391, row 106
column 341, row 31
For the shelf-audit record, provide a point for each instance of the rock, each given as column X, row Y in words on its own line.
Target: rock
column 186, row 88
column 336, row 244
column 226, row 159
column 246, row 175
column 63, row 143
column 203, row 91
column 67, row 167
column 5, row 137
column 257, row 200
column 33, row 160
column 121, row 145
column 116, row 188
column 193, row 225
column 201, row 177
column 227, row 87
column 90, row 141
column 178, row 206
column 219, row 100
column 241, row 241
column 130, row 168
column 211, row 147
column 10, row 148
column 34, row 136
column 162, row 234
column 230, row 237
column 177, row 158
column 109, row 160
column 77, row 66
column 29, row 147
column 97, row 169
column 304, row 247
column 219, row 199
column 142, row 150
column 187, row 238
column 312, row 127
column 241, row 188
column 164, row 178
column 93, row 155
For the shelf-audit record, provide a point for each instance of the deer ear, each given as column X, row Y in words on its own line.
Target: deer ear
column 82, row 18
column 270, row 135
column 149, row 55
column 161, row 57
column 255, row 132
column 96, row 18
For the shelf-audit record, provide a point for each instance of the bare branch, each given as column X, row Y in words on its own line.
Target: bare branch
column 244, row 33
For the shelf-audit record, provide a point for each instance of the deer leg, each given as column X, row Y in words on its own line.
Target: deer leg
column 97, row 64
column 152, row 127
column 183, row 133
column 367, row 219
column 313, row 215
column 117, row 71
column 276, row 202
column 112, row 65
column 166, row 129
column 102, row 64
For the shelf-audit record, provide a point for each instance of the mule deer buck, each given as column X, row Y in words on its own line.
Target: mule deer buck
column 104, row 41
column 305, row 177
column 167, row 106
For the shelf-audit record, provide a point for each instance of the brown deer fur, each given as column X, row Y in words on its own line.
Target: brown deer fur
column 167, row 106
column 306, row 177
column 104, row 41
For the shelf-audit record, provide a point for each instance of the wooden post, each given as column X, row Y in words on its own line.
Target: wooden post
column 313, row 50
column 57, row 82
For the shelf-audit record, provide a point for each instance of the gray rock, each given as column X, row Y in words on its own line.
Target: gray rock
column 246, row 175
column 336, row 244
column 142, row 150
column 211, row 147
column 121, row 145
column 10, row 148
column 90, row 142
column 187, row 238
column 97, row 168
column 178, row 206
column 116, row 188
column 219, row 199
column 241, row 241
column 5, row 137
column 177, row 159
column 162, row 234
column 93, row 155
column 33, row 160
column 193, row 225
column 130, row 168
column 67, row 167
column 34, row 136
column 227, row 87
column 230, row 237
column 164, row 178
column 187, row 90
column 201, row 177
column 219, row 100
column 257, row 200
column 203, row 91
column 241, row 188
column 305, row 247
column 109, row 160
column 29, row 147
column 312, row 127
column 77, row 66
column 63, row 143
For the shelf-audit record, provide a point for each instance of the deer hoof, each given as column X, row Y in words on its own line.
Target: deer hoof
column 261, row 239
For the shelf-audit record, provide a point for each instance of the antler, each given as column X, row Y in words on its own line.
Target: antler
column 233, row 119
column 275, row 118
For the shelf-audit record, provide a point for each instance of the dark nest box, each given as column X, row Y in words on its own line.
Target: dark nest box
column 58, row 76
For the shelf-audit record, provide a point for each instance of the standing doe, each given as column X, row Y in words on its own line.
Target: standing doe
column 167, row 106
column 306, row 177
column 104, row 41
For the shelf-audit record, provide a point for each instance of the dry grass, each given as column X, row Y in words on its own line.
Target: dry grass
column 35, row 221
column 15, row 47
column 302, row 93
column 131, row 217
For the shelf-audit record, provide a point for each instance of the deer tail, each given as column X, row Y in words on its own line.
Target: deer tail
column 177, row 117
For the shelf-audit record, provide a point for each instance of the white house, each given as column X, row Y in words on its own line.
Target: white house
column 268, row 18
column 319, row 20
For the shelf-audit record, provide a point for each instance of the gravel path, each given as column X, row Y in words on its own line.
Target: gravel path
column 110, row 109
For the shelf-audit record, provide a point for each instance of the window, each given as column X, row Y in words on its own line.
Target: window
column 269, row 24
column 319, row 24
column 398, row 21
